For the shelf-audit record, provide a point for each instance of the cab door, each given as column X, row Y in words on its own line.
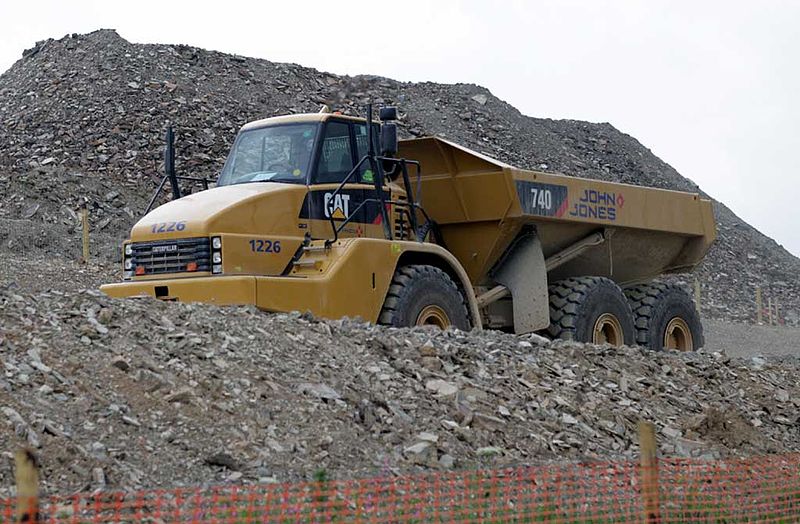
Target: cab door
column 343, row 143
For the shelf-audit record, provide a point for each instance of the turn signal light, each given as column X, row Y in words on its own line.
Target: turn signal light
column 139, row 270
column 191, row 266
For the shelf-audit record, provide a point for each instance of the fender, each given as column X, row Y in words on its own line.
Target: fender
column 435, row 255
column 331, row 278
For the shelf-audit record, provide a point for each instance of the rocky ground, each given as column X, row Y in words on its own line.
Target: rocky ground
column 132, row 393
column 83, row 119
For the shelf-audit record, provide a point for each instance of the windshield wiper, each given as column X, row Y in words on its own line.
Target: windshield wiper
column 253, row 177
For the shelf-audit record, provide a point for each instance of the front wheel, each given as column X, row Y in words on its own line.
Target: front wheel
column 422, row 295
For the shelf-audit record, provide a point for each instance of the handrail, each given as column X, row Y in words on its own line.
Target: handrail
column 169, row 172
column 376, row 163
column 409, row 205
column 203, row 180
column 330, row 209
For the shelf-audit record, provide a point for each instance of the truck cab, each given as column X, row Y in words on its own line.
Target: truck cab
column 318, row 152
column 305, row 215
column 288, row 180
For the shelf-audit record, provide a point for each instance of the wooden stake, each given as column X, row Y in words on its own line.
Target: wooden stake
column 85, row 223
column 649, row 470
column 777, row 314
column 26, row 474
column 769, row 310
column 759, row 307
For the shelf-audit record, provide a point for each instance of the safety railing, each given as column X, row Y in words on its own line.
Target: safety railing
column 375, row 163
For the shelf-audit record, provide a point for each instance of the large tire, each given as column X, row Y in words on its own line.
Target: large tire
column 424, row 295
column 659, row 308
column 590, row 309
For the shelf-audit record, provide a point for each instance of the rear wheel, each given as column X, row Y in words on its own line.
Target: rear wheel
column 422, row 295
column 590, row 309
column 665, row 317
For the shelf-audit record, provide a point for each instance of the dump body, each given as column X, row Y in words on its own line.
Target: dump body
column 482, row 205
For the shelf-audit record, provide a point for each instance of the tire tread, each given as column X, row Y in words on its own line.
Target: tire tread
column 643, row 299
column 401, row 281
column 566, row 298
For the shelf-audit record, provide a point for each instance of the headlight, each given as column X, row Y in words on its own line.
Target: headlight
column 128, row 249
column 216, row 255
column 128, row 263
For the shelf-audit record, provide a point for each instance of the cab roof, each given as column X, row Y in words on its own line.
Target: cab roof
column 298, row 119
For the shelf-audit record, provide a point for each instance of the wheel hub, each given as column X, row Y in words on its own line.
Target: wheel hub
column 433, row 315
column 678, row 335
column 607, row 330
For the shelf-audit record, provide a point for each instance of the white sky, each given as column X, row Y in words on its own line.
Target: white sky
column 712, row 87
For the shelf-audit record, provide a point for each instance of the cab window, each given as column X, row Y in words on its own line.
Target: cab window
column 336, row 154
column 362, row 146
column 278, row 153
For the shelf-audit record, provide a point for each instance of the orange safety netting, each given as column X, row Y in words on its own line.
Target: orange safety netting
column 757, row 489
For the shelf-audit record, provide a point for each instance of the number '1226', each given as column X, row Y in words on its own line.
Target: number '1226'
column 265, row 246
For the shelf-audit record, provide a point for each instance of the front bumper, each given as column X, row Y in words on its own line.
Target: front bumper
column 350, row 280
column 221, row 290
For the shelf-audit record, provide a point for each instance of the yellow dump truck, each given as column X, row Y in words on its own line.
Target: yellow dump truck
column 332, row 214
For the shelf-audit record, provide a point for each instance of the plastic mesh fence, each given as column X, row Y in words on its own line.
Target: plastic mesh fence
column 762, row 489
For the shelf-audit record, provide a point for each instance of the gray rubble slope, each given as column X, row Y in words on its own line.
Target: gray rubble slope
column 139, row 393
column 83, row 117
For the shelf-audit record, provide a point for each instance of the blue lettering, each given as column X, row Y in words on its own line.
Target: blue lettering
column 592, row 210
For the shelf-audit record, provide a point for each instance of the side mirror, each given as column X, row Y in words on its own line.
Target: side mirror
column 387, row 113
column 388, row 139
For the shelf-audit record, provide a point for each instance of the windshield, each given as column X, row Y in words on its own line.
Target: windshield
column 280, row 153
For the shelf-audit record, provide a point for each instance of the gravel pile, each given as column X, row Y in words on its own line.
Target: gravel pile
column 140, row 393
column 83, row 119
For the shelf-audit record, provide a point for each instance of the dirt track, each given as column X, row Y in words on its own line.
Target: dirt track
column 749, row 340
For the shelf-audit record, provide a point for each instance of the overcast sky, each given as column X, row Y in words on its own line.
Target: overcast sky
column 713, row 88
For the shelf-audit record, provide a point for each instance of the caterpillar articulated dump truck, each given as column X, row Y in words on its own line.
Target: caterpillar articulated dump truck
column 332, row 214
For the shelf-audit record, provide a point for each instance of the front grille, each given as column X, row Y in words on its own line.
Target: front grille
column 171, row 256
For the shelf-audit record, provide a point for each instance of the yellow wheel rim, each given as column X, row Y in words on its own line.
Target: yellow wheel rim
column 607, row 330
column 433, row 316
column 678, row 335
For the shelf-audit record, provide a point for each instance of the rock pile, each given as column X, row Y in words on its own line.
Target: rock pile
column 136, row 393
column 83, row 118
